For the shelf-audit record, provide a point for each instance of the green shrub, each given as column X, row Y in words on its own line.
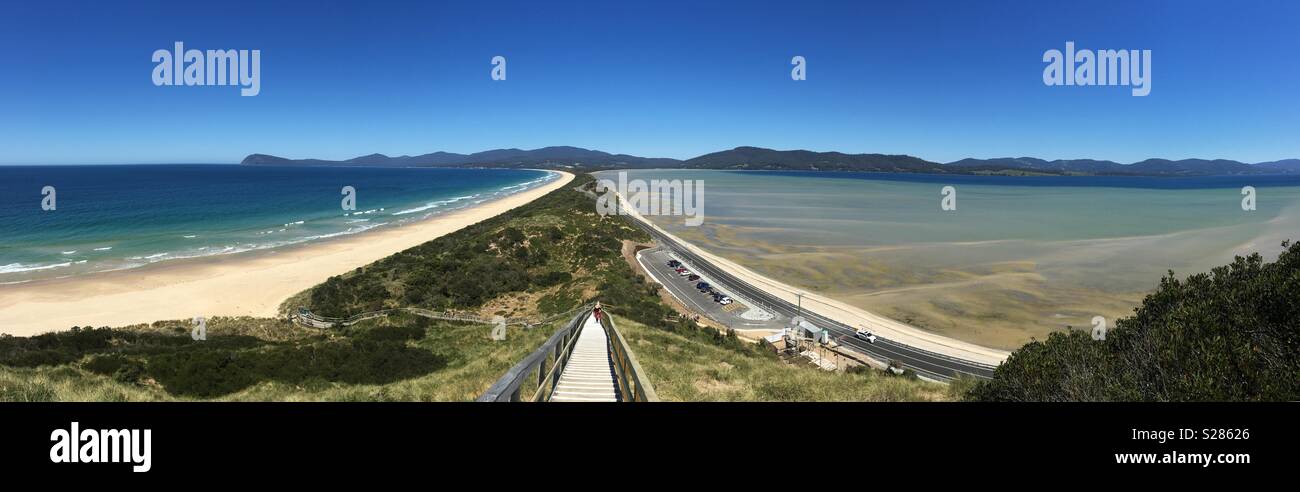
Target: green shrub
column 1229, row 335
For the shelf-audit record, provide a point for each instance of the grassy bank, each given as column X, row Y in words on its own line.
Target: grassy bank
column 254, row 359
column 683, row 369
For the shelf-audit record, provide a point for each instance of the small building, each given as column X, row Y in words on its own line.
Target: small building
column 806, row 330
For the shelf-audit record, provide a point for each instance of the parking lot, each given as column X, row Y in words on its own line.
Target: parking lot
column 739, row 315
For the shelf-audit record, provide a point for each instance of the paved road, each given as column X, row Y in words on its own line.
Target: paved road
column 928, row 364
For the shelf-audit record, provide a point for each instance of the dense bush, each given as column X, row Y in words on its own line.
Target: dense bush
column 225, row 364
column 394, row 333
column 69, row 346
column 1229, row 335
column 120, row 367
column 207, row 373
column 536, row 246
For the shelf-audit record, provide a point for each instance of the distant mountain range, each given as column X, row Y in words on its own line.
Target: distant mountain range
column 543, row 157
column 757, row 158
column 1149, row 167
column 768, row 159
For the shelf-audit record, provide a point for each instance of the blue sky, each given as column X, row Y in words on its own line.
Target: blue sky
column 938, row 80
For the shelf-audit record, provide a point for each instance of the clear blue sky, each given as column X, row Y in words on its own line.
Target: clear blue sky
column 938, row 80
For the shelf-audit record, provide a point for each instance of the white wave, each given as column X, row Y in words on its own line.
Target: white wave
column 70, row 252
column 19, row 267
column 105, row 248
column 528, row 184
column 189, row 236
column 351, row 230
column 433, row 205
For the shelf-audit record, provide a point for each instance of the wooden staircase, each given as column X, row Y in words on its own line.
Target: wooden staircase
column 589, row 374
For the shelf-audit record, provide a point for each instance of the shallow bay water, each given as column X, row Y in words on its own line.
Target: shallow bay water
column 1020, row 257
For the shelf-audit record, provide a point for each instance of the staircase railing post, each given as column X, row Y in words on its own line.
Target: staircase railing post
column 541, row 375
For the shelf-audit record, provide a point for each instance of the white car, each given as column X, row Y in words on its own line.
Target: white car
column 865, row 335
column 685, row 273
column 725, row 300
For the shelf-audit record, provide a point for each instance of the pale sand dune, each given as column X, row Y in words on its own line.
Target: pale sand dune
column 244, row 284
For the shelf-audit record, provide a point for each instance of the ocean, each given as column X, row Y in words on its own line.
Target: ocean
column 111, row 217
column 1019, row 257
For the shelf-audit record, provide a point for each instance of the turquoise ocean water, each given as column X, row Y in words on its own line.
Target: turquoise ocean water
column 123, row 216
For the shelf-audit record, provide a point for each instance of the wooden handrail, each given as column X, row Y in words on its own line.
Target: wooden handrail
column 632, row 380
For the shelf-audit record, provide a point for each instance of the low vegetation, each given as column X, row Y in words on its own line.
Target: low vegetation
column 401, row 357
column 1232, row 334
column 683, row 369
column 556, row 244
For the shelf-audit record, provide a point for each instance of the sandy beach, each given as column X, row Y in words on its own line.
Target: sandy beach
column 242, row 284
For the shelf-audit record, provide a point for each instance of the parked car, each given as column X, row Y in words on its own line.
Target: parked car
column 674, row 263
column 693, row 278
column 865, row 335
column 684, row 272
column 679, row 269
column 702, row 285
column 725, row 301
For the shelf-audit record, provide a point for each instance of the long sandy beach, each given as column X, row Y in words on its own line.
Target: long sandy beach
column 243, row 284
